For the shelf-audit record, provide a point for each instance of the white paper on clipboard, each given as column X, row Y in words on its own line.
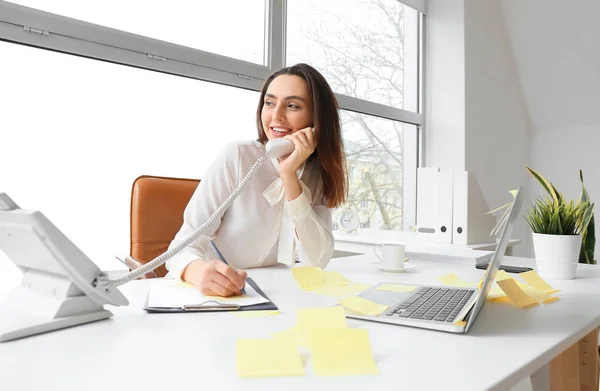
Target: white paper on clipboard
column 172, row 293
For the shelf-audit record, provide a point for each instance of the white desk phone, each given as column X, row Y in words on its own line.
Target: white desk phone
column 61, row 286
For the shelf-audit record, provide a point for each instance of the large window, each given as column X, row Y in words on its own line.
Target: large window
column 239, row 32
column 366, row 50
column 77, row 132
column 361, row 47
column 97, row 93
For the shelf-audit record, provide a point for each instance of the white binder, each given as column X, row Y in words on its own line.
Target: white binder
column 471, row 225
column 434, row 205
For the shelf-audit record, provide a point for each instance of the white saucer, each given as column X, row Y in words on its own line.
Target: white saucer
column 407, row 266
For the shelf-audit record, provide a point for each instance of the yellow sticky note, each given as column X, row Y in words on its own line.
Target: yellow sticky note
column 254, row 314
column 502, row 275
column 495, row 293
column 308, row 277
column 551, row 299
column 516, row 294
column 341, row 290
column 363, row 306
column 320, row 318
column 537, row 282
column 503, row 299
column 267, row 357
column 396, row 288
column 460, row 323
column 453, row 280
column 538, row 296
column 342, row 352
column 335, row 278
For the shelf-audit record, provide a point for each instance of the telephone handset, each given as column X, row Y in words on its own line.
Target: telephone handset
column 280, row 147
column 274, row 149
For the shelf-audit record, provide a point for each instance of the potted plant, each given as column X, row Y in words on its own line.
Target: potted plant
column 558, row 229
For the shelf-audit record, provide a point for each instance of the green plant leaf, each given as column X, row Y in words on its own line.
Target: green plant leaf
column 588, row 245
column 588, row 230
column 584, row 194
column 545, row 184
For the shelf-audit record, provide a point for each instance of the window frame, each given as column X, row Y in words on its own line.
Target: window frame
column 28, row 26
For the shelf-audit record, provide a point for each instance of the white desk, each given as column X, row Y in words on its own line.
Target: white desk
column 136, row 350
column 364, row 241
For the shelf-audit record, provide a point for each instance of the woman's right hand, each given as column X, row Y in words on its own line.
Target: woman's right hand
column 214, row 278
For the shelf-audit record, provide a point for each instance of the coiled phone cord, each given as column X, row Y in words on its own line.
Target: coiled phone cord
column 104, row 282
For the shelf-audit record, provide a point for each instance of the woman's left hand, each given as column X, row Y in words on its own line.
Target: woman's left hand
column 305, row 144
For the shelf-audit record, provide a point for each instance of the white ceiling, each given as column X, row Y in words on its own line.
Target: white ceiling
column 556, row 48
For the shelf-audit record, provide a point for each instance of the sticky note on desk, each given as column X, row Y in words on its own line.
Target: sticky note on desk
column 334, row 278
column 308, row 277
column 538, row 296
column 312, row 318
column 453, row 280
column 342, row 352
column 363, row 306
column 396, row 288
column 266, row 358
column 537, row 282
column 516, row 294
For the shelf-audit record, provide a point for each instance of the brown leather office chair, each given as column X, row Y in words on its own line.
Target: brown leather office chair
column 157, row 205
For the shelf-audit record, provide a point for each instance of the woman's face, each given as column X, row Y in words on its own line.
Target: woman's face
column 287, row 108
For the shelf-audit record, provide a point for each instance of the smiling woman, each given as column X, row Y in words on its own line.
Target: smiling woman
column 287, row 203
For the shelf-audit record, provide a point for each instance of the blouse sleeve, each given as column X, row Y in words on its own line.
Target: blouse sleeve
column 313, row 229
column 218, row 183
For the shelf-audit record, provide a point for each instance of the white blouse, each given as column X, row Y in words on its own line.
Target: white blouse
column 258, row 228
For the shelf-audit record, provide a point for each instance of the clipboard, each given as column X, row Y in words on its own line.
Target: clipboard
column 217, row 307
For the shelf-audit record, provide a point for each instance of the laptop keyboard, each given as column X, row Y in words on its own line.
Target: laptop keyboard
column 437, row 304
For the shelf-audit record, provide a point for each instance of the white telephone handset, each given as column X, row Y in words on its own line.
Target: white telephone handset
column 280, row 147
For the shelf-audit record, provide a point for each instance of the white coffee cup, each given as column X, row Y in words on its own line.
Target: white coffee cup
column 391, row 255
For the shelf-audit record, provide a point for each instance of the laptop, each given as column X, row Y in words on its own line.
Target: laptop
column 438, row 307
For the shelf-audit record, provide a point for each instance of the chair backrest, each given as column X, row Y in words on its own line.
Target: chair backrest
column 157, row 205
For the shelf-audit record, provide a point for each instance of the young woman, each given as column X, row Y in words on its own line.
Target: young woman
column 286, row 205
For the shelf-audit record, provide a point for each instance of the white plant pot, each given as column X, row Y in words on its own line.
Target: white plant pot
column 556, row 256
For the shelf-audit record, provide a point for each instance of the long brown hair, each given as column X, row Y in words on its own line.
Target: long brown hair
column 326, row 121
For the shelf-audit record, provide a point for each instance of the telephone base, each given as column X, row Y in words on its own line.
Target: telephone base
column 16, row 324
column 27, row 312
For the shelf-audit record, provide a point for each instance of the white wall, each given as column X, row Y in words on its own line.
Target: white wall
column 445, row 86
column 476, row 118
column 556, row 48
column 498, row 137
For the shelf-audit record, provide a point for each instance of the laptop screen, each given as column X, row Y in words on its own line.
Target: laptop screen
column 492, row 269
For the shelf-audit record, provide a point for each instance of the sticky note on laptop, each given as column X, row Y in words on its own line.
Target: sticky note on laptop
column 453, row 280
column 363, row 306
column 342, row 352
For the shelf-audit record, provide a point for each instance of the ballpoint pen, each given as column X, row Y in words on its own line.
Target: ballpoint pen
column 222, row 259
